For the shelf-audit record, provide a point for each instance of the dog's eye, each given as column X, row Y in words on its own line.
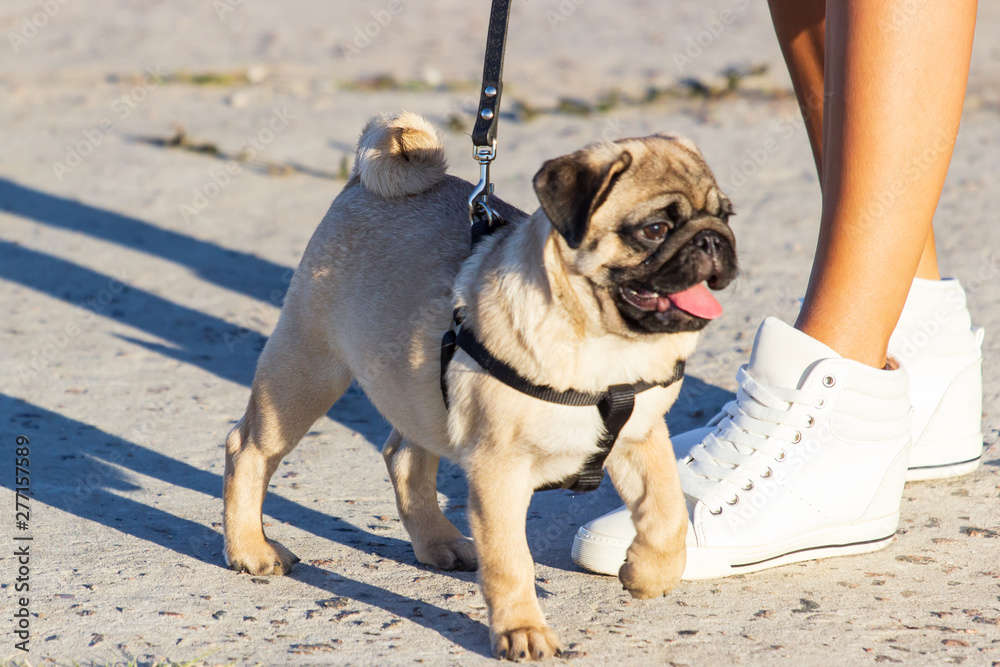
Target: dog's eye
column 655, row 232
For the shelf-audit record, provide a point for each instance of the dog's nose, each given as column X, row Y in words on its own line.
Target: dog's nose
column 708, row 242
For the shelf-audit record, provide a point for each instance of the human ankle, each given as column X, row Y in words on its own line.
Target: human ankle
column 846, row 343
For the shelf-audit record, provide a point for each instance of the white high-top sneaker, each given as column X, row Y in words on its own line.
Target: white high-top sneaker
column 936, row 344
column 941, row 351
column 808, row 462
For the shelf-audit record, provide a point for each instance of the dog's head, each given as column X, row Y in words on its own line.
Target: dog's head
column 644, row 221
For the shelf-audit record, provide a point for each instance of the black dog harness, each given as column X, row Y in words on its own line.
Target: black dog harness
column 615, row 404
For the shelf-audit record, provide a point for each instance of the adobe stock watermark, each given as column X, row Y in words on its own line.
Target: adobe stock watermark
column 714, row 26
column 563, row 11
column 223, row 8
column 258, row 318
column 35, row 23
column 988, row 271
column 365, row 35
column 556, row 527
column 56, row 341
column 927, row 328
column 762, row 489
column 613, row 130
column 884, row 201
column 125, row 455
column 392, row 352
column 121, row 108
column 755, row 158
column 159, row 415
column 779, row 131
column 902, row 13
column 220, row 179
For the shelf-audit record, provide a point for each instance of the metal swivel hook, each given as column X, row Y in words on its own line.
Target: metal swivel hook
column 479, row 208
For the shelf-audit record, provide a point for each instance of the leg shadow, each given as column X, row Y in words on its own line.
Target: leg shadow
column 83, row 467
column 194, row 338
column 234, row 270
column 198, row 339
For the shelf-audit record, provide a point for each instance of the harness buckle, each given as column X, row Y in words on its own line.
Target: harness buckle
column 479, row 208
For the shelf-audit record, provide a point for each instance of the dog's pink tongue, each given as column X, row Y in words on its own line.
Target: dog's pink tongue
column 697, row 301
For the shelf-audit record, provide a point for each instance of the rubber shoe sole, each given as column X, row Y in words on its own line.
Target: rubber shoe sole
column 923, row 473
column 598, row 553
column 841, row 541
column 605, row 555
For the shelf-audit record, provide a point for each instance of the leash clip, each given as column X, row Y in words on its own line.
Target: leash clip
column 479, row 208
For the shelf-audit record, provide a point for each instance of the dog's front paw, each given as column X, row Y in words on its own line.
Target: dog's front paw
column 528, row 643
column 266, row 557
column 453, row 554
column 647, row 575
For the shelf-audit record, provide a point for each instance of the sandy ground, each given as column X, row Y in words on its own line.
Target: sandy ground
column 139, row 282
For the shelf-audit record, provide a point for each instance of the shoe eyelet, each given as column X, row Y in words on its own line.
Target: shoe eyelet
column 798, row 438
column 735, row 501
column 811, row 422
column 714, row 513
column 749, row 486
column 829, row 381
column 767, row 474
column 781, row 456
column 822, row 404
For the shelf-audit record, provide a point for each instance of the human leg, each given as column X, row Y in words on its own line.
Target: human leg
column 801, row 31
column 895, row 85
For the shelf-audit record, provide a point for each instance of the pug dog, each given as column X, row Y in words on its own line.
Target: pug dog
column 606, row 283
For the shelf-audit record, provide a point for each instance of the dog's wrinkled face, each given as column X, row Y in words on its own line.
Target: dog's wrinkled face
column 644, row 221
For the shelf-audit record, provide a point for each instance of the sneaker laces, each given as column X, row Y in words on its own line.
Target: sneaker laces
column 750, row 433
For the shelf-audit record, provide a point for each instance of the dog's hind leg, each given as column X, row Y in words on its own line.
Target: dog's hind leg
column 298, row 379
column 436, row 541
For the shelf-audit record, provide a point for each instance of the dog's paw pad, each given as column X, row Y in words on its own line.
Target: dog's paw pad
column 643, row 581
column 529, row 643
column 458, row 554
column 269, row 557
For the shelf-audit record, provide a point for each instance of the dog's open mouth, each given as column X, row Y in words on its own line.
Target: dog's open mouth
column 695, row 300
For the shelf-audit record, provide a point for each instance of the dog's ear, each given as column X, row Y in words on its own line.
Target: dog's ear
column 571, row 189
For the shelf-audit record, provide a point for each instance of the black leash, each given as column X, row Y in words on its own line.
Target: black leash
column 484, row 134
column 616, row 403
column 485, row 131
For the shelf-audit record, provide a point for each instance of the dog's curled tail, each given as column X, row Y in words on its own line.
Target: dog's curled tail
column 399, row 155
